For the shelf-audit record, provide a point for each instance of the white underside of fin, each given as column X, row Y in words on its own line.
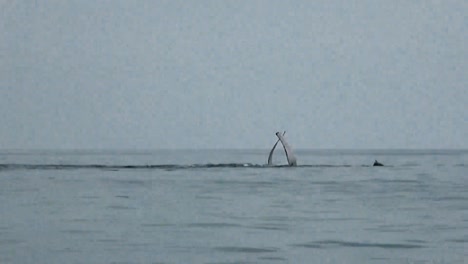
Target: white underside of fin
column 289, row 154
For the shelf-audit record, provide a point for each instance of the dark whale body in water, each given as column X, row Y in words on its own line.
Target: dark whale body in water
column 376, row 163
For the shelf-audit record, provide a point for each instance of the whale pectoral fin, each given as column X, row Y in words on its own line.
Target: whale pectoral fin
column 289, row 154
column 270, row 157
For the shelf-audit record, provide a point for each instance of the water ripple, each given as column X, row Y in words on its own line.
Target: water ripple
column 81, row 231
column 338, row 243
column 274, row 258
column 246, row 249
column 213, row 225
column 120, row 207
column 458, row 240
column 167, row 167
column 271, row 226
column 6, row 242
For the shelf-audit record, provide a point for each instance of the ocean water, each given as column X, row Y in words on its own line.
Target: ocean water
column 226, row 206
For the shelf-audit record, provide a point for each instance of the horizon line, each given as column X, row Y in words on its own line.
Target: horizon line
column 198, row 149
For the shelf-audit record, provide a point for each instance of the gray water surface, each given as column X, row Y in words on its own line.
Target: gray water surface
column 226, row 206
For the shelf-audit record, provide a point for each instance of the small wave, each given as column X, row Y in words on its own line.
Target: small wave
column 81, row 231
column 450, row 198
column 458, row 240
column 271, row 226
column 9, row 242
column 396, row 181
column 121, row 167
column 14, row 166
column 120, row 207
column 246, row 249
column 274, row 259
column 213, row 225
column 338, row 243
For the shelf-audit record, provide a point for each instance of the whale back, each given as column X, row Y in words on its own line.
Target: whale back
column 376, row 163
column 289, row 154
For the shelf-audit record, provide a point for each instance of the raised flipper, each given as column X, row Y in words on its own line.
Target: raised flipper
column 289, row 154
column 270, row 157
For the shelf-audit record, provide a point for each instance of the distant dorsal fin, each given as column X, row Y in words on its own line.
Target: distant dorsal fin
column 376, row 163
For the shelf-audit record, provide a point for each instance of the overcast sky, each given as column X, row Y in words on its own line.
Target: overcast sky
column 229, row 74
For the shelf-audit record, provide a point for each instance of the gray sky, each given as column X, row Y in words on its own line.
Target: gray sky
column 229, row 74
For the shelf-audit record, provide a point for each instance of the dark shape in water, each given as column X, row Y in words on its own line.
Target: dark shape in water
column 376, row 163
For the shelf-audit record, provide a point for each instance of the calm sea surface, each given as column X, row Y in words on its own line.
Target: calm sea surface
column 226, row 206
